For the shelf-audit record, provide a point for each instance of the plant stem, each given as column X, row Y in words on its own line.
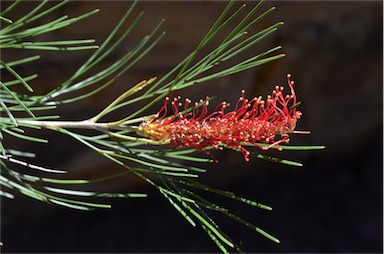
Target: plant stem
column 78, row 125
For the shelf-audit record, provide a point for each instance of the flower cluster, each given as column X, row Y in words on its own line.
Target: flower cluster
column 252, row 122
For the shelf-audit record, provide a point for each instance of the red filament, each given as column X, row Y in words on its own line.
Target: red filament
column 252, row 122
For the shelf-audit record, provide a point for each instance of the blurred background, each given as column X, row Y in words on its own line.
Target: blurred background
column 334, row 51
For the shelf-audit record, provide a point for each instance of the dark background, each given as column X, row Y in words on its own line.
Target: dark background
column 334, row 203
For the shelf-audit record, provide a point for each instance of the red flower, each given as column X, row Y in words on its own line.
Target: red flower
column 252, row 122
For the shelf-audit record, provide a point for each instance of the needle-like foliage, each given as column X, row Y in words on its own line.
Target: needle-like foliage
column 158, row 165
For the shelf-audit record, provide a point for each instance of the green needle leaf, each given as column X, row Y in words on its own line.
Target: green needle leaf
column 94, row 194
column 5, row 20
column 13, row 5
column 21, row 136
column 296, row 147
column 14, row 73
column 278, row 160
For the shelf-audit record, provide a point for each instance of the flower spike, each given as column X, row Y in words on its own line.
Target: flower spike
column 252, row 122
